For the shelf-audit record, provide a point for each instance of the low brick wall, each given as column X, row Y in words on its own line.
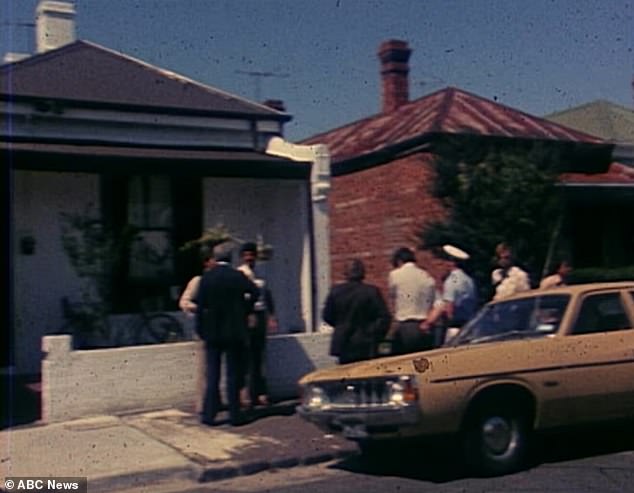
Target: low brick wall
column 105, row 381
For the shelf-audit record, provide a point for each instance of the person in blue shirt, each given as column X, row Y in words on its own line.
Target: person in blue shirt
column 459, row 297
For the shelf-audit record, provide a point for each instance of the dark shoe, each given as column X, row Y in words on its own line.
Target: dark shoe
column 208, row 422
column 240, row 421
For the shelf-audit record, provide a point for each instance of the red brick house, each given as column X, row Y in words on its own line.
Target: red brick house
column 382, row 165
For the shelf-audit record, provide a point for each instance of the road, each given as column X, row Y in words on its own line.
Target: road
column 601, row 462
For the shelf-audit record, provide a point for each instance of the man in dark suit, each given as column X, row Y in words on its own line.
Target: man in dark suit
column 225, row 298
column 359, row 315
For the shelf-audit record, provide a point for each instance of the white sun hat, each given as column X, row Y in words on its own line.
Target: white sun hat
column 455, row 252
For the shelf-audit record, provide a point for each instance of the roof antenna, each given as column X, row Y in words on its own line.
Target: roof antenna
column 257, row 78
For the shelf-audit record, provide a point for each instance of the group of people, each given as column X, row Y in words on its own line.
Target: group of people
column 361, row 319
column 421, row 314
column 233, row 311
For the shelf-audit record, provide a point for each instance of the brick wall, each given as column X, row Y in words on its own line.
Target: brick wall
column 374, row 211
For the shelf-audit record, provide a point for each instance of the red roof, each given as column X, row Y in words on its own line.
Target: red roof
column 617, row 174
column 448, row 111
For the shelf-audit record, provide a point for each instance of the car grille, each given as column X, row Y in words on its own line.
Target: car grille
column 360, row 393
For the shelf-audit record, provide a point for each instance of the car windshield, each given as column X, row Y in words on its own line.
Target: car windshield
column 514, row 319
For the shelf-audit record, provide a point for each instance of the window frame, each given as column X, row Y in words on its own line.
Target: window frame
column 619, row 294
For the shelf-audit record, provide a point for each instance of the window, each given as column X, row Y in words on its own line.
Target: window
column 526, row 317
column 601, row 313
column 164, row 212
column 150, row 210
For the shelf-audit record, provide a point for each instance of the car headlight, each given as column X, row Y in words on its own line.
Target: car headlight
column 402, row 391
column 314, row 397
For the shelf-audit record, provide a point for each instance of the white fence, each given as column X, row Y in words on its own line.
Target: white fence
column 79, row 383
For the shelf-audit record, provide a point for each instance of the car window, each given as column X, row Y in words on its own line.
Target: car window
column 537, row 316
column 601, row 313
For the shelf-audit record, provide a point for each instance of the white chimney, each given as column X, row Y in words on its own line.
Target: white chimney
column 54, row 24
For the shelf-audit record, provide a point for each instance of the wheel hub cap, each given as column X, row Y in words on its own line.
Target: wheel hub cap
column 497, row 435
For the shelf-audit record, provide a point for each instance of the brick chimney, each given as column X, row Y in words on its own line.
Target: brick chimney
column 394, row 56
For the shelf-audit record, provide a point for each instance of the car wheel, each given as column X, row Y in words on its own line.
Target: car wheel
column 496, row 440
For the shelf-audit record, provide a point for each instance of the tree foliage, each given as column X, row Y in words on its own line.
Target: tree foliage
column 496, row 193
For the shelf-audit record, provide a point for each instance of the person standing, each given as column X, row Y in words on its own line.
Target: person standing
column 412, row 291
column 187, row 301
column 359, row 315
column 508, row 278
column 459, row 299
column 260, row 323
column 188, row 305
column 224, row 300
column 557, row 278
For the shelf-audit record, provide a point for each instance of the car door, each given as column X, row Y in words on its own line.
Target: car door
column 599, row 357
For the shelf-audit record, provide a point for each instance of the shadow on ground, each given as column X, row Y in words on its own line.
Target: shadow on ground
column 20, row 398
column 279, row 408
column 582, row 443
column 432, row 461
column 437, row 461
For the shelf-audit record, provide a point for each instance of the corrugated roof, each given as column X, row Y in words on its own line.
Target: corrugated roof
column 604, row 119
column 448, row 111
column 617, row 174
column 86, row 72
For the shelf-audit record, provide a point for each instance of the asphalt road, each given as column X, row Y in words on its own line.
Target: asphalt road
column 600, row 461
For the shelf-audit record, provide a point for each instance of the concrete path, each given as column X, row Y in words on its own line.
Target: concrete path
column 118, row 452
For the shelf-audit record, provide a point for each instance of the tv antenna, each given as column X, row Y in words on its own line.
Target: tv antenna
column 258, row 77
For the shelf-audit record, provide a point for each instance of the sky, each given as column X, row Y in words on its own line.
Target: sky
column 537, row 56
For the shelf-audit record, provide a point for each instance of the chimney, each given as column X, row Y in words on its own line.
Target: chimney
column 54, row 24
column 276, row 104
column 394, row 56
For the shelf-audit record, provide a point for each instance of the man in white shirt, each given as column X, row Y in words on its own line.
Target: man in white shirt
column 412, row 291
column 559, row 277
column 260, row 322
column 508, row 279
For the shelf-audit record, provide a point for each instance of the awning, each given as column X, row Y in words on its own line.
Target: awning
column 98, row 158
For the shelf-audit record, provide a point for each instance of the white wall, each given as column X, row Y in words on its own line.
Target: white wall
column 77, row 384
column 278, row 210
column 41, row 279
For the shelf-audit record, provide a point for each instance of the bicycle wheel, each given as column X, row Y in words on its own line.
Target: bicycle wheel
column 162, row 327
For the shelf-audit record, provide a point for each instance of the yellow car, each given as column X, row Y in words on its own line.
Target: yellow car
column 534, row 361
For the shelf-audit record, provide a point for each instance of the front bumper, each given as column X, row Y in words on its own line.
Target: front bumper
column 361, row 423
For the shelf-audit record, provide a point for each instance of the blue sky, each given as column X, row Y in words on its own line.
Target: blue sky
column 534, row 55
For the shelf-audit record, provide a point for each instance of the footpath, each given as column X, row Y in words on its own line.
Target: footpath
column 143, row 449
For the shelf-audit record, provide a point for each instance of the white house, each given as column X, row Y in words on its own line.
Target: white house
column 94, row 132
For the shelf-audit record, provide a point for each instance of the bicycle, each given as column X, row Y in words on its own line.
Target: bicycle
column 92, row 328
